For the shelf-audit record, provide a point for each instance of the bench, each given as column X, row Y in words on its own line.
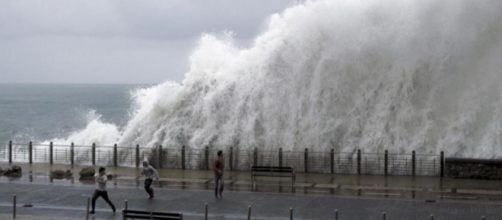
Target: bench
column 136, row 214
column 270, row 171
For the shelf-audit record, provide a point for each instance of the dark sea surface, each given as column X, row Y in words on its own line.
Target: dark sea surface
column 44, row 111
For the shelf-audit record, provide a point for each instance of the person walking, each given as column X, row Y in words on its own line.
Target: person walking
column 149, row 173
column 218, row 166
column 101, row 179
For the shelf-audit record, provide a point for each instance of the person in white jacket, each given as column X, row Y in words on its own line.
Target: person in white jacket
column 149, row 173
column 101, row 189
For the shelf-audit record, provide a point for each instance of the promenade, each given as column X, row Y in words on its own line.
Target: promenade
column 315, row 196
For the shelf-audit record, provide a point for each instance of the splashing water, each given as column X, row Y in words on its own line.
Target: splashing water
column 400, row 75
column 96, row 131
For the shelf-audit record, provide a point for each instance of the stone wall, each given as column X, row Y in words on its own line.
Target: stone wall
column 473, row 168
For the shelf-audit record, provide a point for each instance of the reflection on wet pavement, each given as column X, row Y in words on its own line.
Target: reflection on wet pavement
column 408, row 187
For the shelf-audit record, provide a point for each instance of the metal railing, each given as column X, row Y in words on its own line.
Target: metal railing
column 238, row 159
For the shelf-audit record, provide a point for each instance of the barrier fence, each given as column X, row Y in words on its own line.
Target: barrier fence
column 238, row 159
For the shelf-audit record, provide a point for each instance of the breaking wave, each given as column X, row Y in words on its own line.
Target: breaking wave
column 419, row 75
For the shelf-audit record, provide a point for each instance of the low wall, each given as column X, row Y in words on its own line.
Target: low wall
column 473, row 168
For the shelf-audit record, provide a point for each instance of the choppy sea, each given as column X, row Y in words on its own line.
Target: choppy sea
column 44, row 111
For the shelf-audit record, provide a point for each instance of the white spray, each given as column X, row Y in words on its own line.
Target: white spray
column 419, row 75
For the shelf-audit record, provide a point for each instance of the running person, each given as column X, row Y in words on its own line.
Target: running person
column 101, row 189
column 149, row 173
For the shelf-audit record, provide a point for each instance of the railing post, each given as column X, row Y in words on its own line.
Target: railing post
column 93, row 150
column 255, row 156
column 441, row 164
column 280, row 157
column 115, row 156
column 386, row 162
column 14, row 206
column 205, row 210
column 413, row 163
column 72, row 154
column 183, row 157
column 290, row 213
column 306, row 160
column 432, row 217
column 336, row 214
column 51, row 153
column 125, row 208
column 159, row 157
column 206, row 157
column 231, row 159
column 10, row 151
column 137, row 156
column 384, row 215
column 358, row 161
column 332, row 160
column 88, row 207
column 30, row 153
column 249, row 212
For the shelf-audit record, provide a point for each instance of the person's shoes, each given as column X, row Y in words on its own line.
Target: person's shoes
column 113, row 208
column 91, row 212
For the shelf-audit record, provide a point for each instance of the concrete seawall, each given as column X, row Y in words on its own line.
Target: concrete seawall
column 473, row 168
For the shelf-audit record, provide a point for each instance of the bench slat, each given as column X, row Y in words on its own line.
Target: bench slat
column 151, row 215
column 272, row 171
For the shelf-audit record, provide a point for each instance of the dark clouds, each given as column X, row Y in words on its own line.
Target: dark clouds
column 81, row 41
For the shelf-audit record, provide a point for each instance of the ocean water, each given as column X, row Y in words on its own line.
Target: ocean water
column 41, row 112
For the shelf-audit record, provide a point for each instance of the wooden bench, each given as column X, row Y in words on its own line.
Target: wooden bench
column 270, row 171
column 136, row 214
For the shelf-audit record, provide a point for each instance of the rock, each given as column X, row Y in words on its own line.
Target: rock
column 57, row 174
column 68, row 174
column 14, row 171
column 111, row 176
column 87, row 173
column 60, row 174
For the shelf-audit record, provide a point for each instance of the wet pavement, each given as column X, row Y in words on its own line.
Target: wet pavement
column 315, row 196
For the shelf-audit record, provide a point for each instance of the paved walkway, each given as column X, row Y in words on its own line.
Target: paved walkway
column 70, row 202
column 315, row 196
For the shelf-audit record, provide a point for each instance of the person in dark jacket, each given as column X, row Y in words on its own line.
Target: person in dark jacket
column 218, row 166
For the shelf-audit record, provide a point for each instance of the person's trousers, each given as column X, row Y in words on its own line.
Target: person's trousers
column 218, row 185
column 104, row 195
column 148, row 186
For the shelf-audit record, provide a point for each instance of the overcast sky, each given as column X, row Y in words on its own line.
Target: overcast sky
column 105, row 41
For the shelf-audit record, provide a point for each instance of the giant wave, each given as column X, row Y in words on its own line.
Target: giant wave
column 419, row 75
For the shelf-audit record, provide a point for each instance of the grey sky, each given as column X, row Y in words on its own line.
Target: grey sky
column 105, row 41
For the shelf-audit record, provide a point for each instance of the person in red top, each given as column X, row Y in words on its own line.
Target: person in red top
column 218, row 166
